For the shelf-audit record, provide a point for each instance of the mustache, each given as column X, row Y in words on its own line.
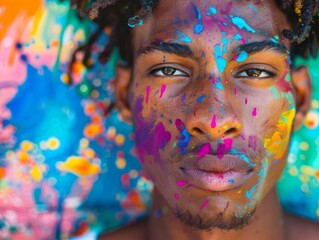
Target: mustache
column 249, row 151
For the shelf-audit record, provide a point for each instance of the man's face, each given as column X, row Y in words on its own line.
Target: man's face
column 212, row 105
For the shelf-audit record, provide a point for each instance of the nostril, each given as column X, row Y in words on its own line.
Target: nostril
column 231, row 131
column 197, row 130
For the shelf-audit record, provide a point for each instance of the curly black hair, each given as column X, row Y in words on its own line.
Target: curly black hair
column 119, row 14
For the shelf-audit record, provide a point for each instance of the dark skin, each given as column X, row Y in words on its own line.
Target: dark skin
column 213, row 120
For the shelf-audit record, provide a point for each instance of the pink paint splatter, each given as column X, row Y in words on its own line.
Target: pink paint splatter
column 213, row 123
column 204, row 204
column 235, row 91
column 148, row 89
column 181, row 183
column 163, row 88
column 204, row 150
column 254, row 113
column 176, row 196
column 224, row 147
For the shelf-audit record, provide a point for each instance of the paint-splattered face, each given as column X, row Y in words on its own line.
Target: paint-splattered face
column 213, row 105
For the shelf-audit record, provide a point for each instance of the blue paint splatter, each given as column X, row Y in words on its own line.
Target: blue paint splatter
column 198, row 28
column 183, row 37
column 241, row 23
column 201, row 98
column 183, row 141
column 221, row 62
column 242, row 56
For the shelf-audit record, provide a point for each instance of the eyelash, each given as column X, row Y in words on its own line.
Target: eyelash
column 262, row 71
column 181, row 73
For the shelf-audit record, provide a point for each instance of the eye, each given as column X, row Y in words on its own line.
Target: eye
column 168, row 71
column 255, row 73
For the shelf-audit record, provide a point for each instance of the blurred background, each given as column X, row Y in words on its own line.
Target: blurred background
column 68, row 168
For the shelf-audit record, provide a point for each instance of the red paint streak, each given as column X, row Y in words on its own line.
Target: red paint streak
column 204, row 204
column 148, row 89
column 213, row 123
column 163, row 88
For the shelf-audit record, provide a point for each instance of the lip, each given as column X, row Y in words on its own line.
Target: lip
column 214, row 174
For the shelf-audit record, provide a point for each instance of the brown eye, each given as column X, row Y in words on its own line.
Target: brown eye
column 255, row 73
column 168, row 71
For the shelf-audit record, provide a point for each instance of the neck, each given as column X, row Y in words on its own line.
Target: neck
column 266, row 224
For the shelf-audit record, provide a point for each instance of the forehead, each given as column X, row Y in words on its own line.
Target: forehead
column 196, row 22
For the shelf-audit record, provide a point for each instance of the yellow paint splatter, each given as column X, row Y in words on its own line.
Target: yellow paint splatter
column 79, row 166
column 36, row 173
column 277, row 143
column 26, row 146
column 53, row 143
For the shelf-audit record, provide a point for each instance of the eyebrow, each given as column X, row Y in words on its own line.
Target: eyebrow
column 255, row 47
column 178, row 49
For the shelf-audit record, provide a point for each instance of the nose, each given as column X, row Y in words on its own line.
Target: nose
column 217, row 124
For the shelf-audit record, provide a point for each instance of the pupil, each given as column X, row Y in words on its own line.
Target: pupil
column 254, row 72
column 169, row 71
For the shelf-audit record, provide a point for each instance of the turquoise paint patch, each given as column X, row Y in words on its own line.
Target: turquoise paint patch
column 134, row 23
column 274, row 92
column 221, row 62
column 275, row 39
column 241, row 24
column 242, row 56
column 249, row 194
column 183, row 37
column 237, row 36
column 211, row 11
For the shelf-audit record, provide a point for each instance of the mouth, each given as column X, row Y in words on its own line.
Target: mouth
column 213, row 174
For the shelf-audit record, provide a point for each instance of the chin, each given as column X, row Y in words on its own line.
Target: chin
column 228, row 217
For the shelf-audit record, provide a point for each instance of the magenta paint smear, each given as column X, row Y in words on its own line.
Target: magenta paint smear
column 246, row 100
column 176, row 196
column 254, row 113
column 181, row 183
column 213, row 123
column 235, row 91
column 149, row 139
column 163, row 88
column 204, row 150
column 148, row 89
column 224, row 147
column 204, row 204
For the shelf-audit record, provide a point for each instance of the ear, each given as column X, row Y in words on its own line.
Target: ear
column 121, row 86
column 301, row 80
